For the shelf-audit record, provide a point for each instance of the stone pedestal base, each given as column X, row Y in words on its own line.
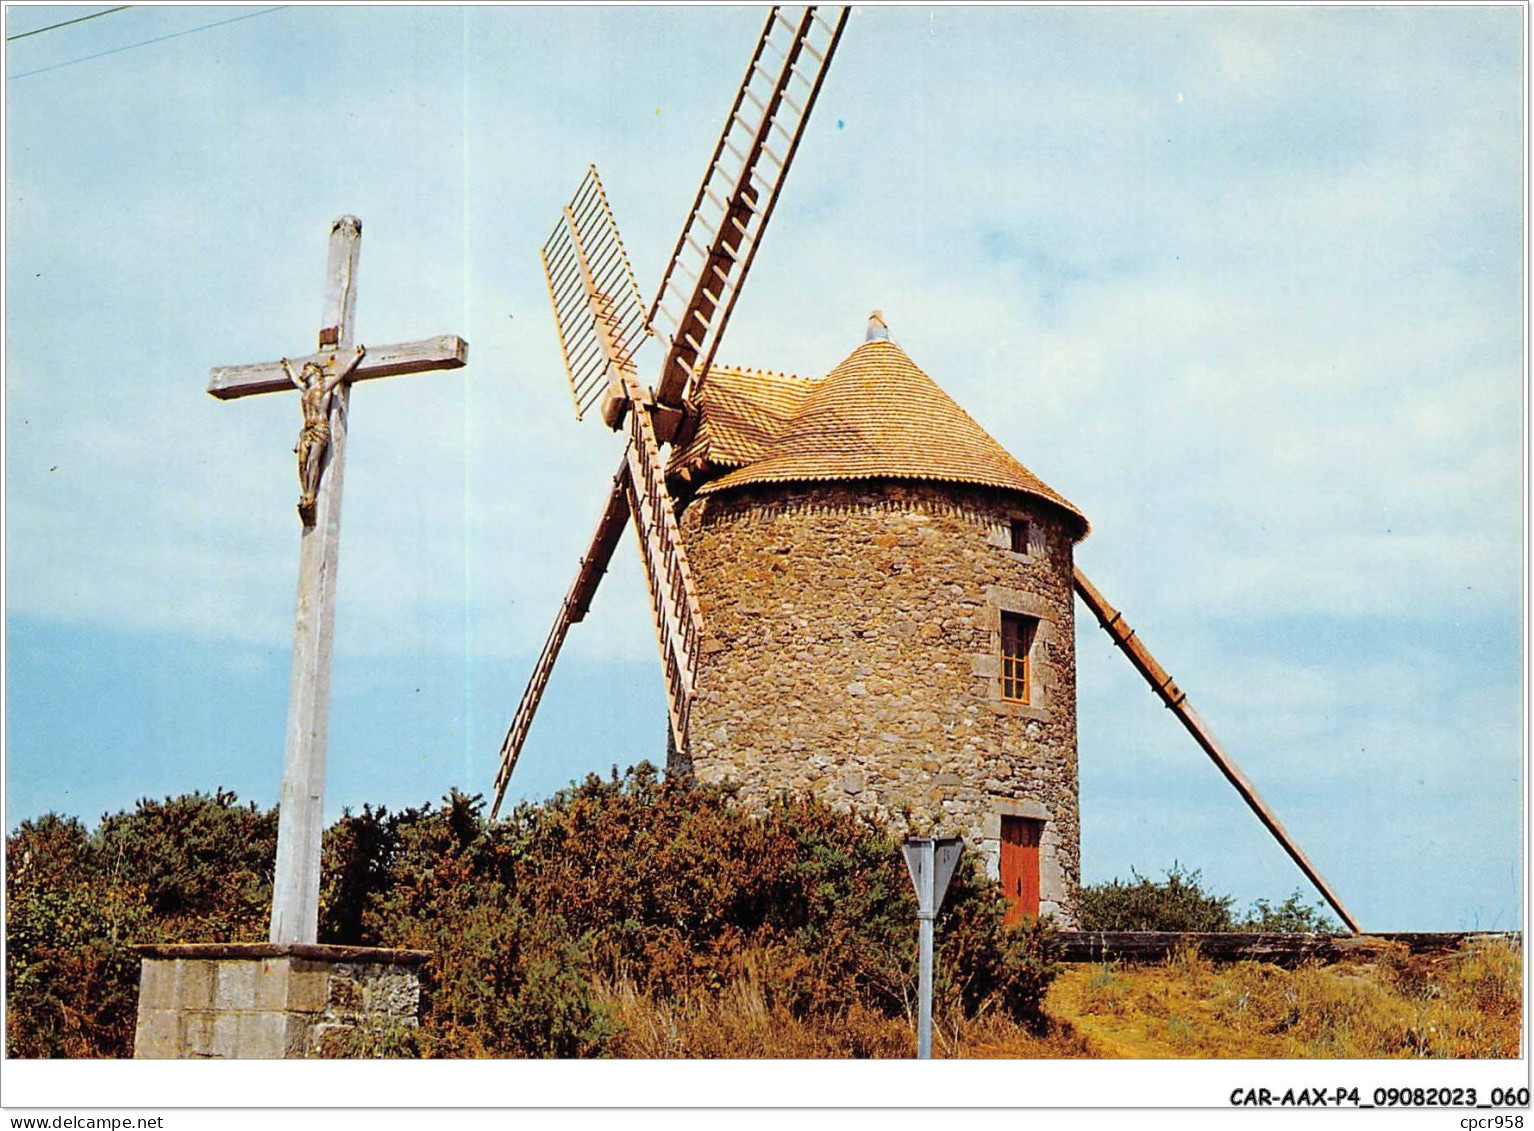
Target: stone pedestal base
column 259, row 1001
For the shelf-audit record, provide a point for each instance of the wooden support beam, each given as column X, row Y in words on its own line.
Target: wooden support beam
column 615, row 516
column 666, row 421
column 449, row 351
column 1161, row 683
column 300, row 827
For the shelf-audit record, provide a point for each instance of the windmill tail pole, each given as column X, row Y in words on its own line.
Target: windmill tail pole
column 1161, row 683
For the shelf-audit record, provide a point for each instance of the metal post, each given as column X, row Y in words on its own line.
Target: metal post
column 931, row 861
column 925, row 915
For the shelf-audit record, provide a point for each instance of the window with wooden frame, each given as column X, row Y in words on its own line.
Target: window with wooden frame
column 1017, row 533
column 1017, row 632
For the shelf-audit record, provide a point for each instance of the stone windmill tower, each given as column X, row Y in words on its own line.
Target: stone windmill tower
column 888, row 611
column 856, row 591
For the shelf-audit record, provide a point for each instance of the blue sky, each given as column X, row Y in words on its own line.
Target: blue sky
column 1241, row 283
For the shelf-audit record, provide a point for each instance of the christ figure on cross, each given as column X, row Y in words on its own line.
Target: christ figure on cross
column 317, row 391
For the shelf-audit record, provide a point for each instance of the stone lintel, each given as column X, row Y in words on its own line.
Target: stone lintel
column 1004, row 600
column 990, row 821
column 314, row 952
column 1021, row 807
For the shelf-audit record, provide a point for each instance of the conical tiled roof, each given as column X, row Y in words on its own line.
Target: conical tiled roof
column 875, row 416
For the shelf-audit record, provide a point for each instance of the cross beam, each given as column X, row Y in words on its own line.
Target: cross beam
column 447, row 352
column 296, row 885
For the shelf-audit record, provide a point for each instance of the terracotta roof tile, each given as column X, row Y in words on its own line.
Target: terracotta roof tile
column 742, row 411
column 875, row 416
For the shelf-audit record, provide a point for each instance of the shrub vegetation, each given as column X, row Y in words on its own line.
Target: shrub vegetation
column 555, row 931
column 193, row 867
column 628, row 916
column 1181, row 903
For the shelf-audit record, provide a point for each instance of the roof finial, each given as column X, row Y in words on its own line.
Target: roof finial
column 878, row 329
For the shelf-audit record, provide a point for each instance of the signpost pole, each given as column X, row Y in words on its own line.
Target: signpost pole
column 931, row 862
column 925, row 915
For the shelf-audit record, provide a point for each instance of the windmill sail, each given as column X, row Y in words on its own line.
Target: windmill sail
column 597, row 308
column 673, row 600
column 615, row 515
column 1114, row 625
column 639, row 488
column 595, row 297
column 601, row 324
column 738, row 193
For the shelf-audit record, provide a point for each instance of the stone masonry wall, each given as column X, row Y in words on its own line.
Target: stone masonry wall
column 262, row 1008
column 852, row 650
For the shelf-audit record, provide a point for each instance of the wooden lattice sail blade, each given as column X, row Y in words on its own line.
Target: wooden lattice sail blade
column 673, row 600
column 596, row 301
column 740, row 189
column 571, row 610
column 1161, row 683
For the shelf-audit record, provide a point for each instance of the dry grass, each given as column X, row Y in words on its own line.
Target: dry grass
column 1000, row 1039
column 739, row 1023
column 1465, row 1004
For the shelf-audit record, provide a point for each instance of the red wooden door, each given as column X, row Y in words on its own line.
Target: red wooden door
column 1020, row 866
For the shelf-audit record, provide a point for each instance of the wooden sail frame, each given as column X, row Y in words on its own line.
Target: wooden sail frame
column 738, row 193
column 601, row 325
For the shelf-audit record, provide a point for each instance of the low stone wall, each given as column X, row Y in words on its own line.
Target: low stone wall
column 1252, row 946
column 256, row 1001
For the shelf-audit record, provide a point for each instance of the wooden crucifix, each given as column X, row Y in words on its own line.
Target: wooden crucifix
column 323, row 379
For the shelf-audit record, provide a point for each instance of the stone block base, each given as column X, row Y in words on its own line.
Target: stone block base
column 259, row 1001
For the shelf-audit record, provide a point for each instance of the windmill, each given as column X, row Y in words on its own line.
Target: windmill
column 602, row 323
column 890, row 593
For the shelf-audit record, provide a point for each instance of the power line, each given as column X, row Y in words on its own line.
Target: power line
column 146, row 42
column 66, row 23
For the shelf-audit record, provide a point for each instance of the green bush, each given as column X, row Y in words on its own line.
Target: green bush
column 679, row 892
column 204, row 863
column 1180, row 903
column 192, row 867
column 629, row 879
column 71, row 987
column 1294, row 916
column 983, row 966
column 503, row 982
